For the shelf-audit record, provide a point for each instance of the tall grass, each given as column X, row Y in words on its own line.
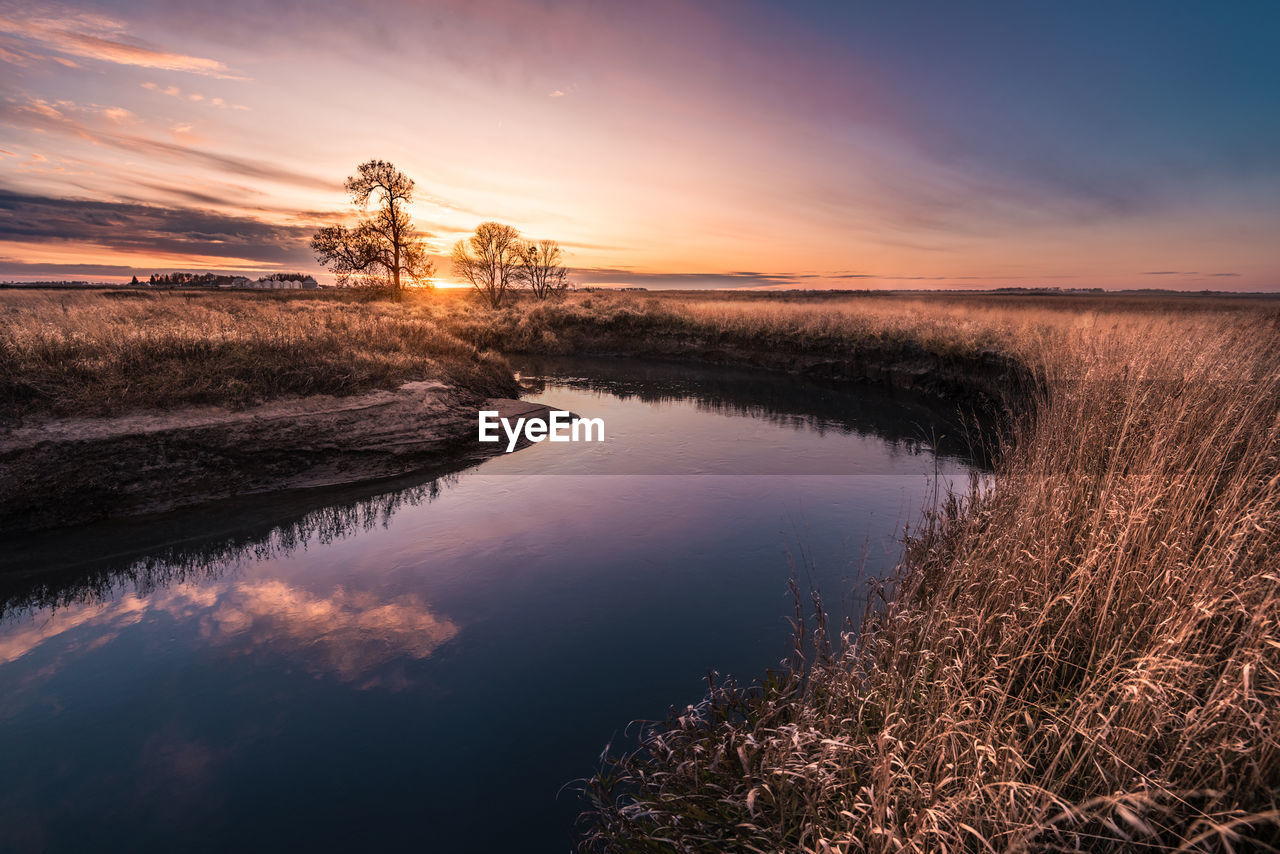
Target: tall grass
column 75, row 353
column 1037, row 331
column 1083, row 656
column 102, row 353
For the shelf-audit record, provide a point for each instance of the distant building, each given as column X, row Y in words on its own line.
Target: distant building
column 277, row 282
column 273, row 282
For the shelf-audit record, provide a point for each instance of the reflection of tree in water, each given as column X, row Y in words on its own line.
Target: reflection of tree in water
column 199, row 555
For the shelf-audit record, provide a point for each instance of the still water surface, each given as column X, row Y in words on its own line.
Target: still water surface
column 426, row 663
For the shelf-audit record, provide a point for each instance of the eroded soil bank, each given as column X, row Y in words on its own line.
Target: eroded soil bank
column 988, row 381
column 67, row 471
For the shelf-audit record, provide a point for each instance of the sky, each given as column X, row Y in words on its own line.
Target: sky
column 663, row 144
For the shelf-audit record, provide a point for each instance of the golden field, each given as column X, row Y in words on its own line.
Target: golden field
column 1083, row 653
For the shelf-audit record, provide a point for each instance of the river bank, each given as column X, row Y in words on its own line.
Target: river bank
column 122, row 403
column 68, row 471
column 118, row 403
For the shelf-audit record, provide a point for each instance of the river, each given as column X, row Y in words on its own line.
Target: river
column 430, row 662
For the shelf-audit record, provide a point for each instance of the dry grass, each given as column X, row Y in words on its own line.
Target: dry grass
column 1085, row 656
column 1037, row 330
column 101, row 353
column 105, row 352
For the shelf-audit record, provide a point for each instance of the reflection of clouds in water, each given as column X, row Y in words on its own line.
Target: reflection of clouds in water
column 170, row 759
column 345, row 634
column 23, row 636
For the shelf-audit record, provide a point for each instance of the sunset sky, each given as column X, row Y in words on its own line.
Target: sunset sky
column 663, row 143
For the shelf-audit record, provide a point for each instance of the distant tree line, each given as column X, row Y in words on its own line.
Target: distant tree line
column 164, row 279
column 1047, row 290
column 212, row 279
column 383, row 248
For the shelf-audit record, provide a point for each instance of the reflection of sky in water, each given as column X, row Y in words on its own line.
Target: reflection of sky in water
column 658, row 420
column 411, row 664
column 344, row 634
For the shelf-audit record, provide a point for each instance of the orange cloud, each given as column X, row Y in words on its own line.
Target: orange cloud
column 102, row 39
column 175, row 92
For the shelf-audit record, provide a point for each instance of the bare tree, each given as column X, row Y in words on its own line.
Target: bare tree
column 383, row 246
column 490, row 260
column 540, row 268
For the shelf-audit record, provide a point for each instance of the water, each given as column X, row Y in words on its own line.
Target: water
column 427, row 662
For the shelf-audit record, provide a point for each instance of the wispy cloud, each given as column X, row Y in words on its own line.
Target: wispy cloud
column 17, row 267
column 99, row 38
column 95, row 124
column 753, row 279
column 1191, row 273
column 660, row 280
column 152, row 229
column 195, row 97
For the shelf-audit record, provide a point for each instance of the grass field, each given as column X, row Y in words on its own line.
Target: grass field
column 1084, row 655
column 72, row 353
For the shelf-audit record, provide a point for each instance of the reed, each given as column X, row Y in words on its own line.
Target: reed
column 1081, row 654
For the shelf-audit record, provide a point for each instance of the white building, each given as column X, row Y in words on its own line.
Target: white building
column 274, row 284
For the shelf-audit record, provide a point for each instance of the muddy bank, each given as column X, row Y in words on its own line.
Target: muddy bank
column 985, row 380
column 69, row 471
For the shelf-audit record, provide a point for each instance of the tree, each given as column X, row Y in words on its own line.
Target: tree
column 490, row 260
column 383, row 246
column 540, row 268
